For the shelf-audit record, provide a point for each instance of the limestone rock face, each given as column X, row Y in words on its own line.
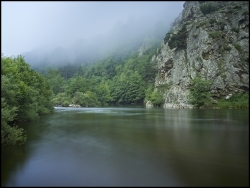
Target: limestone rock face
column 213, row 45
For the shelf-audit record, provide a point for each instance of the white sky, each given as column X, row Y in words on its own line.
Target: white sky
column 26, row 25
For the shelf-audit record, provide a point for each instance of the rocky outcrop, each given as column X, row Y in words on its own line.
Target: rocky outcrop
column 209, row 39
column 75, row 105
column 149, row 104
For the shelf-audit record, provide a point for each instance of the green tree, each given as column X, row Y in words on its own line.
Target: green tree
column 154, row 96
column 25, row 95
column 77, row 83
column 128, row 88
column 200, row 95
column 91, row 99
column 55, row 79
column 103, row 93
column 80, row 99
column 61, row 99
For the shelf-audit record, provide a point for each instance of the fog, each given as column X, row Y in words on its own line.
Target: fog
column 79, row 31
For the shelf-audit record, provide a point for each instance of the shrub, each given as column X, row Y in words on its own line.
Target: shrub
column 246, row 12
column 12, row 135
column 207, row 8
column 156, row 98
column 236, row 30
column 235, row 101
column 65, row 103
column 229, row 11
column 237, row 47
column 212, row 20
column 168, row 36
column 237, row 7
column 163, row 87
column 200, row 24
column 200, row 95
column 222, row 25
column 215, row 34
column 224, row 76
column 179, row 39
column 227, row 48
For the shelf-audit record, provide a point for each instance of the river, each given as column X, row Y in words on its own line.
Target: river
column 131, row 146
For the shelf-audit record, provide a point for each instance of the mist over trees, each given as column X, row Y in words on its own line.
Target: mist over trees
column 123, row 38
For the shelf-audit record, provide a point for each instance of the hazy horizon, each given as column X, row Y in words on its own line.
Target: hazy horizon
column 47, row 25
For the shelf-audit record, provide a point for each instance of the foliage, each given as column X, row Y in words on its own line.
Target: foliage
column 222, row 25
column 235, row 29
column 237, row 47
column 67, row 71
column 212, row 20
column 200, row 95
column 163, row 87
column 226, row 47
column 148, row 92
column 79, row 83
column 215, row 34
column 246, row 12
column 120, row 78
column 202, row 23
column 10, row 134
column 103, row 93
column 55, row 79
column 25, row 95
column 116, row 80
column 154, row 96
column 179, row 39
column 128, row 88
column 61, row 99
column 235, row 101
column 207, row 8
column 168, row 36
column 87, row 99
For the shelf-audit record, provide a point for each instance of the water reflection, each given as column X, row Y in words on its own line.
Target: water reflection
column 135, row 147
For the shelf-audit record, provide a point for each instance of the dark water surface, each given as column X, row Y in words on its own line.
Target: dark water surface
column 131, row 147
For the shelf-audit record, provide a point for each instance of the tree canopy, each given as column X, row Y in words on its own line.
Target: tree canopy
column 25, row 95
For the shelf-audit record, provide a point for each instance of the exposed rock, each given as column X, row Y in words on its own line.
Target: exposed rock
column 75, row 105
column 144, row 47
column 227, row 97
column 217, row 49
column 149, row 104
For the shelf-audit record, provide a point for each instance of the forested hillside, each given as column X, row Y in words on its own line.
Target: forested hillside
column 117, row 79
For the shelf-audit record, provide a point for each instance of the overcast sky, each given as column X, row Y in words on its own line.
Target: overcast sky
column 27, row 25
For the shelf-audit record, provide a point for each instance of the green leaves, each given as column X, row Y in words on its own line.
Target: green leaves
column 200, row 95
column 115, row 79
column 239, row 100
column 55, row 79
column 25, row 95
column 154, row 96
column 179, row 40
column 207, row 8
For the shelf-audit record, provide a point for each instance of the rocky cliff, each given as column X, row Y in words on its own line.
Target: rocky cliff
column 209, row 39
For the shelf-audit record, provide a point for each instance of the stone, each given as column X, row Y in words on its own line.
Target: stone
column 210, row 53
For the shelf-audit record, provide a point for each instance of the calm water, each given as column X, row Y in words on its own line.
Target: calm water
column 131, row 147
